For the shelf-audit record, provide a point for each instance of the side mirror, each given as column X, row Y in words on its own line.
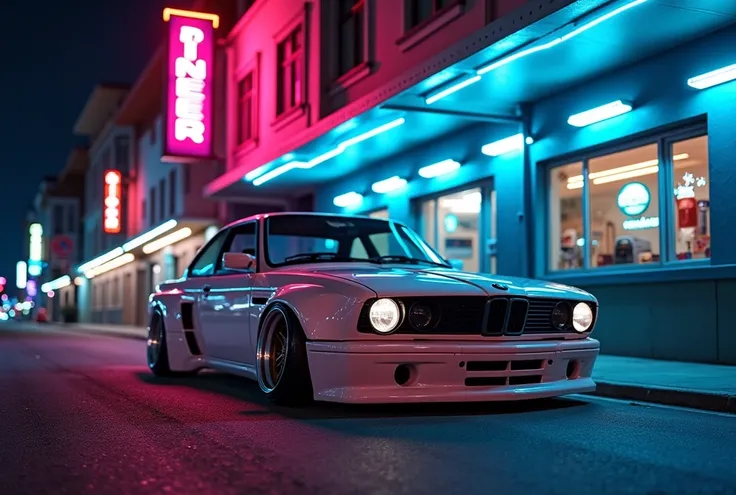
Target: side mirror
column 241, row 262
column 456, row 264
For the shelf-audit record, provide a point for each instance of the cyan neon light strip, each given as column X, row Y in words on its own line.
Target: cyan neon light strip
column 531, row 50
column 338, row 150
column 433, row 97
column 598, row 114
column 713, row 78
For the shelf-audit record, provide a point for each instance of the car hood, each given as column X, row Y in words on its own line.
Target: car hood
column 389, row 280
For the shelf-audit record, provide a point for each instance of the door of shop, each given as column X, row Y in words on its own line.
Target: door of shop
column 461, row 225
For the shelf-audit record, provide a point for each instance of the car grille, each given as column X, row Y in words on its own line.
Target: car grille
column 496, row 316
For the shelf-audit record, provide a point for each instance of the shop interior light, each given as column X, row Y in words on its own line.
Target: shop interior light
column 348, row 199
column 150, row 235
column 438, row 95
column 621, row 173
column 468, row 203
column 439, row 168
column 599, row 114
column 100, row 260
column 167, row 240
column 503, row 146
column 388, row 185
column 338, row 150
column 560, row 39
column 57, row 284
column 713, row 78
column 110, row 265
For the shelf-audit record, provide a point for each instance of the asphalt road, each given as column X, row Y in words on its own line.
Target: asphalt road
column 81, row 414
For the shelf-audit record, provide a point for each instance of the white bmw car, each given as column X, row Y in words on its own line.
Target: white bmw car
column 362, row 310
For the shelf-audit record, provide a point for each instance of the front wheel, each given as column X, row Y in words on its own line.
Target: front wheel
column 282, row 367
column 156, row 351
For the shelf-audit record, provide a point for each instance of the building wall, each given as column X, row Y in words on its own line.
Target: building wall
column 112, row 151
column 680, row 310
column 187, row 200
column 391, row 51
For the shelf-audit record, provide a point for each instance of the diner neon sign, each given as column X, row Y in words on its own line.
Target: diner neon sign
column 113, row 201
column 189, row 90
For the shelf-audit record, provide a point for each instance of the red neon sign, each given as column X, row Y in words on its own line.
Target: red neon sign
column 113, row 201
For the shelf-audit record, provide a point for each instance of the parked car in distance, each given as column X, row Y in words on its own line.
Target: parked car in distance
column 362, row 310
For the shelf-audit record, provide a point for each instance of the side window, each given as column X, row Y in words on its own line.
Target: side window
column 204, row 263
column 242, row 239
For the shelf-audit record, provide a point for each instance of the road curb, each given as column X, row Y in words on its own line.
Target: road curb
column 671, row 397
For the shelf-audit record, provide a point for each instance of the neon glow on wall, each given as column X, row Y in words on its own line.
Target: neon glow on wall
column 189, row 90
column 113, row 201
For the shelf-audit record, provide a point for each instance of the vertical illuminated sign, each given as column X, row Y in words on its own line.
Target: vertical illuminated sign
column 189, row 69
column 21, row 274
column 113, row 199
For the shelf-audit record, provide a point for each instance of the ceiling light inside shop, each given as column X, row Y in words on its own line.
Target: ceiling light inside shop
column 348, row 199
column 621, row 173
column 338, row 150
column 439, row 168
column 110, row 265
column 713, row 78
column 468, row 203
column 388, row 185
column 599, row 114
column 168, row 240
column 503, row 146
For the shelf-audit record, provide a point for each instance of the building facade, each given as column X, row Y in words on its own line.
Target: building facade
column 554, row 139
column 147, row 216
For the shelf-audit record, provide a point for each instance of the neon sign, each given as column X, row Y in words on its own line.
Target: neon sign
column 113, row 201
column 35, row 248
column 189, row 90
column 633, row 199
column 641, row 223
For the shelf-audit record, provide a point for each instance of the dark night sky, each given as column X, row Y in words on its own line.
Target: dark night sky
column 54, row 52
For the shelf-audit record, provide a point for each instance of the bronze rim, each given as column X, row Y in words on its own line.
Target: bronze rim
column 272, row 350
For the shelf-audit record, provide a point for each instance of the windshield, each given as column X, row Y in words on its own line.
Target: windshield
column 296, row 239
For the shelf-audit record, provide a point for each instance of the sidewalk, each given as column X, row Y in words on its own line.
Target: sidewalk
column 699, row 386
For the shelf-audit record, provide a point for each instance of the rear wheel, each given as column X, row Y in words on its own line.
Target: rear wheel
column 282, row 367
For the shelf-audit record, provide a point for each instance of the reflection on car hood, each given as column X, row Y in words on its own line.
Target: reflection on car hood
column 401, row 280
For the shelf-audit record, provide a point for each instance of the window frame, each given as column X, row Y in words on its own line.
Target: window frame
column 251, row 95
column 294, row 31
column 410, row 13
column 222, row 234
column 664, row 139
column 361, row 55
column 232, row 232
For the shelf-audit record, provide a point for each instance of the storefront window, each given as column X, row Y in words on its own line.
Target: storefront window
column 614, row 215
column 451, row 226
column 566, row 217
column 691, row 219
column 624, row 207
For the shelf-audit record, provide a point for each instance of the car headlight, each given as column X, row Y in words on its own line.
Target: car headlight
column 385, row 315
column 582, row 317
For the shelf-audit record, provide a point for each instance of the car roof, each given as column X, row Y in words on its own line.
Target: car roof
column 261, row 216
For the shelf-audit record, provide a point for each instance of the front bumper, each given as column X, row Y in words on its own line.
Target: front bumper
column 366, row 372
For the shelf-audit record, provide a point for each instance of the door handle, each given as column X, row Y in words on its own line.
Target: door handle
column 206, row 290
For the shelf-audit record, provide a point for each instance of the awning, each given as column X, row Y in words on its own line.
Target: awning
column 560, row 51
